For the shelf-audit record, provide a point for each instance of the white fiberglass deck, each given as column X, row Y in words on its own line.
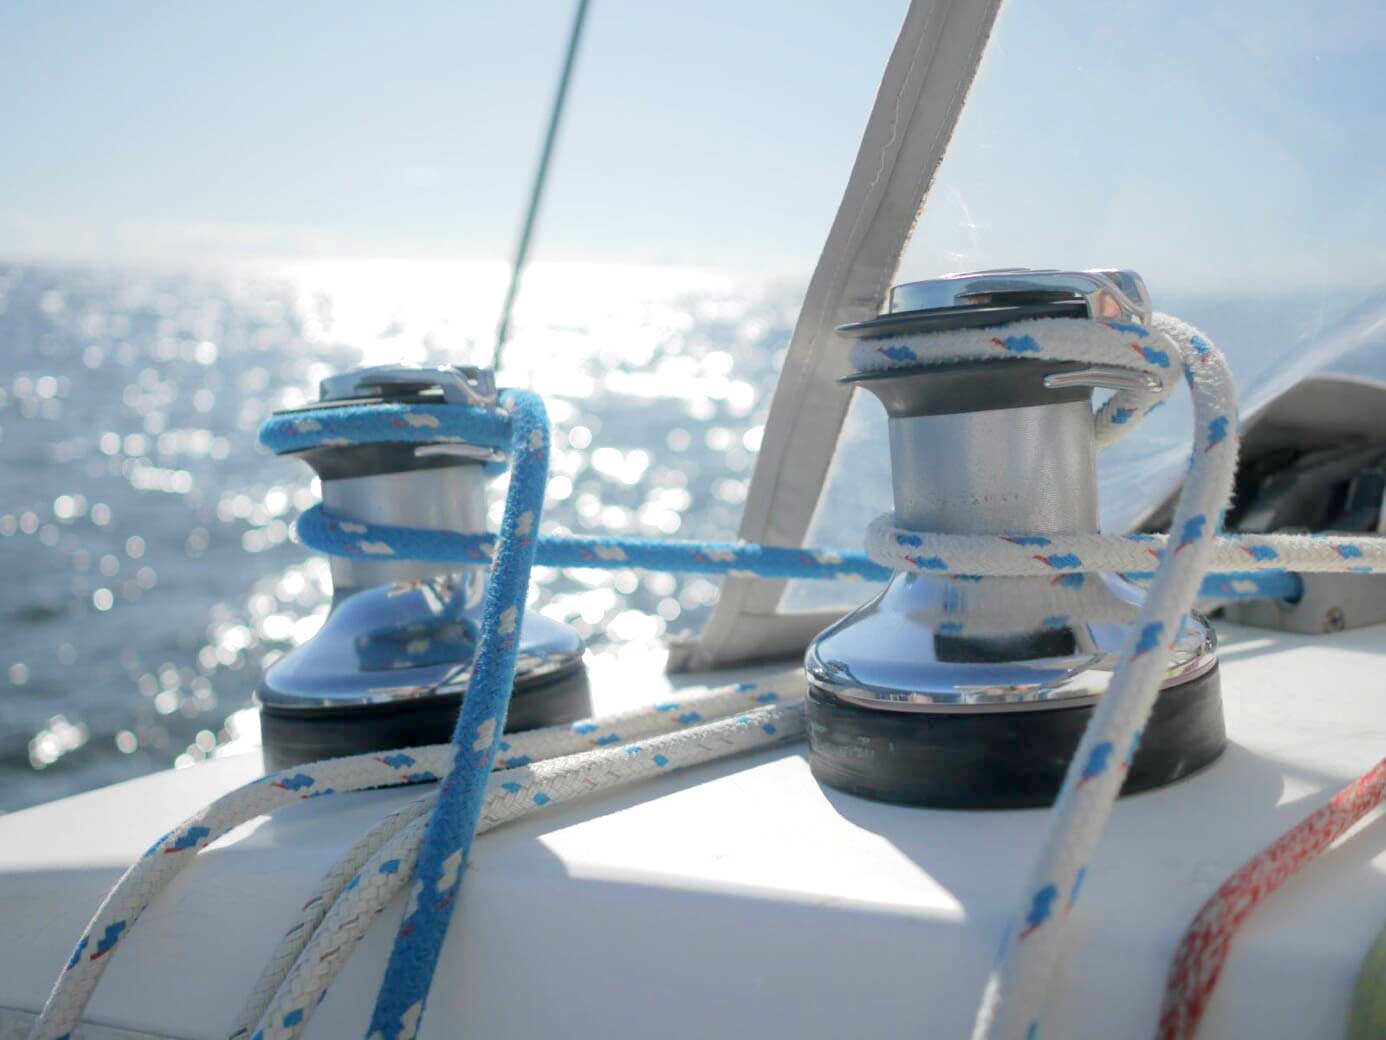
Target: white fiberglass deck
column 743, row 899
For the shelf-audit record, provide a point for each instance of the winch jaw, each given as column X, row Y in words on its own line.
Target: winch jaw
column 391, row 662
column 955, row 692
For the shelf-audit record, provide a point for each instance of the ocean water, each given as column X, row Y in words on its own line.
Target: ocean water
column 147, row 572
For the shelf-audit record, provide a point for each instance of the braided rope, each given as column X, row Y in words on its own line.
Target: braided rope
column 512, row 793
column 452, row 823
column 1253, row 564
column 1015, row 990
column 150, row 874
column 1257, row 571
column 1205, row 946
column 175, row 851
column 1054, row 339
column 1047, row 555
column 317, row 530
column 324, row 897
column 333, row 426
column 691, row 708
column 459, row 800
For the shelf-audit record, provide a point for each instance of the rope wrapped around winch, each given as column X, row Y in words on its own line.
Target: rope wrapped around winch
column 426, row 843
column 1014, row 998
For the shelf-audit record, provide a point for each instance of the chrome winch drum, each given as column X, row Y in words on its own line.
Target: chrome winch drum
column 907, row 705
column 391, row 663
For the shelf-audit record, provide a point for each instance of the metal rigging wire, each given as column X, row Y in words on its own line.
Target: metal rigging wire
column 541, row 173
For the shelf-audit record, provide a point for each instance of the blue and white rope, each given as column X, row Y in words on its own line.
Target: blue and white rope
column 1250, row 566
column 1094, row 342
column 1248, row 562
column 452, row 824
column 1049, row 555
column 689, row 710
column 1015, row 993
column 1259, row 566
column 332, row 426
column 342, row 537
column 175, row 851
column 150, row 874
column 512, row 793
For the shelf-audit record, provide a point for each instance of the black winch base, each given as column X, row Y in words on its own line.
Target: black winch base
column 291, row 738
column 999, row 759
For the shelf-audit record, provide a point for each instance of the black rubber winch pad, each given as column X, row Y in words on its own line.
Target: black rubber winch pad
column 999, row 759
column 291, row 738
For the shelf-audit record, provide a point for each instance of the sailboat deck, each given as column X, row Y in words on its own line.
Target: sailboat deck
column 743, row 899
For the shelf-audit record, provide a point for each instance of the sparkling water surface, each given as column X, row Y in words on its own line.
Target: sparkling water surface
column 147, row 569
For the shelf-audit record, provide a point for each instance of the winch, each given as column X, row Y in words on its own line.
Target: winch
column 392, row 660
column 967, row 692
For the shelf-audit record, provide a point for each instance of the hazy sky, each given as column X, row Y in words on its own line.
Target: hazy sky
column 695, row 131
column 1243, row 143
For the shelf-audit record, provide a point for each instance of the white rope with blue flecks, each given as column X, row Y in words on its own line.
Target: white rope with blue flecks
column 513, row 793
column 1015, row 992
column 176, row 851
column 343, row 873
column 1014, row 997
column 150, row 874
column 1050, row 339
column 690, row 709
column 1051, row 555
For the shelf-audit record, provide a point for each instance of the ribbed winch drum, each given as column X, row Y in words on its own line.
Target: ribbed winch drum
column 907, row 705
column 391, row 662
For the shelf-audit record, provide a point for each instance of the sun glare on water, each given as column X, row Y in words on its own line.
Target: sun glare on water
column 154, row 573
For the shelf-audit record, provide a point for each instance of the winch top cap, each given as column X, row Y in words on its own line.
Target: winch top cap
column 450, row 384
column 982, row 298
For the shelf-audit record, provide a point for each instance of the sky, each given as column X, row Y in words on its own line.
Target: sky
column 1237, row 143
column 696, row 133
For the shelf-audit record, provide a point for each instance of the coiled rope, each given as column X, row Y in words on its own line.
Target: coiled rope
column 437, row 831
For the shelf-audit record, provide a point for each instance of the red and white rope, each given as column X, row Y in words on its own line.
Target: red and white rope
column 1203, row 950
